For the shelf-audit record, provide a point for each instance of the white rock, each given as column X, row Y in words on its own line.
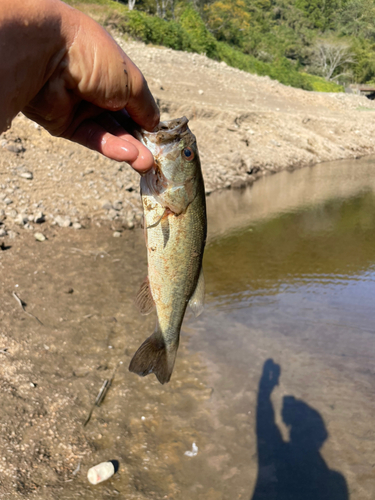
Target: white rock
column 39, row 237
column 63, row 221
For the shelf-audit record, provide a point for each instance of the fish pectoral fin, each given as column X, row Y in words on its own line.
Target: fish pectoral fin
column 158, row 221
column 144, row 301
column 196, row 301
column 154, row 357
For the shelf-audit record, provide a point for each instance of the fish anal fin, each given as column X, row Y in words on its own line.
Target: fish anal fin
column 144, row 301
column 196, row 301
column 154, row 357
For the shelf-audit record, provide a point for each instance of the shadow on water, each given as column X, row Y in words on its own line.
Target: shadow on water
column 294, row 469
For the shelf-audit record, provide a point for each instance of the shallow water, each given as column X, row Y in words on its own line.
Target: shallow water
column 274, row 383
column 290, row 270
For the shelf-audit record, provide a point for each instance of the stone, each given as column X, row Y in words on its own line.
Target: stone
column 14, row 147
column 62, row 221
column 25, row 174
column 21, row 219
column 8, row 201
column 106, row 205
column 117, row 234
column 117, row 205
column 39, row 237
column 77, row 225
column 39, row 218
column 2, row 232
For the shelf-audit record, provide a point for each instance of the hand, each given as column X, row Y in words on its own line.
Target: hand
column 270, row 376
column 90, row 80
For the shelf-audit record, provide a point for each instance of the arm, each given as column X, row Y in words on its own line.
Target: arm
column 64, row 71
column 269, row 439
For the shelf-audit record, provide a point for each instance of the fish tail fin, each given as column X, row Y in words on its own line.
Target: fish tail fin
column 153, row 356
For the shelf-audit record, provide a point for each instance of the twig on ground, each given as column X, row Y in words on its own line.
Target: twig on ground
column 102, row 393
column 22, row 305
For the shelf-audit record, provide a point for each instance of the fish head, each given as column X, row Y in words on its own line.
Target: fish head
column 176, row 173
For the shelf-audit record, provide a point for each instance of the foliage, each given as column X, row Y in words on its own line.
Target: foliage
column 201, row 40
column 279, row 38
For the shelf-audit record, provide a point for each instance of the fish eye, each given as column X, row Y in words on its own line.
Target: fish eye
column 188, row 154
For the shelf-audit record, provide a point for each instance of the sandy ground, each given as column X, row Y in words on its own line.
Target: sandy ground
column 246, row 126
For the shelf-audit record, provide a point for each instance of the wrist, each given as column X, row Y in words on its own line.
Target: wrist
column 33, row 39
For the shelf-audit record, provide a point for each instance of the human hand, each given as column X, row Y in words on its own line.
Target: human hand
column 270, row 376
column 90, row 80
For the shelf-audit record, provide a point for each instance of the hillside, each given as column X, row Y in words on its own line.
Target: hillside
column 246, row 126
column 309, row 44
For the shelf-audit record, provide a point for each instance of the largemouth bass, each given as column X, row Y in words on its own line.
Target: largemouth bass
column 175, row 224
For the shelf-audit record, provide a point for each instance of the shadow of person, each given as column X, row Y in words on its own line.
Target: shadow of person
column 294, row 469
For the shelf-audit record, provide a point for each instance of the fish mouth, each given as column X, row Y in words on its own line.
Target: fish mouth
column 166, row 135
column 168, row 131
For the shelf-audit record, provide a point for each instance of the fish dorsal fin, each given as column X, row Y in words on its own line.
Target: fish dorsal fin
column 144, row 301
column 196, row 301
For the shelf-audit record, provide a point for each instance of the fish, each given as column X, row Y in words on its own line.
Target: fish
column 175, row 225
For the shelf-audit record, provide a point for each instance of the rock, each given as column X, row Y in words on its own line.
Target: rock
column 25, row 174
column 130, row 224
column 12, row 234
column 63, row 221
column 8, row 201
column 2, row 232
column 14, row 147
column 117, row 205
column 68, row 290
column 39, row 218
column 106, row 205
column 77, row 225
column 117, row 234
column 39, row 237
column 12, row 214
column 112, row 214
column 21, row 219
column 200, row 92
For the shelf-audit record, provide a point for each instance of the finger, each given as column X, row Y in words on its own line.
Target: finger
column 93, row 136
column 141, row 105
column 111, row 125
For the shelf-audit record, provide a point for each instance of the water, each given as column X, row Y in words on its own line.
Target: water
column 290, row 270
column 274, row 383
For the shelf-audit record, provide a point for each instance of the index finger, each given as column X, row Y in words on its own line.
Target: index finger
column 141, row 105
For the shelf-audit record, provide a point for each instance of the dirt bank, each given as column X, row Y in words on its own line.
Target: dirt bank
column 247, row 126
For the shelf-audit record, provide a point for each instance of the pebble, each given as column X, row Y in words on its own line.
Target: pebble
column 2, row 232
column 12, row 234
column 63, row 221
column 14, row 148
column 117, row 205
column 77, row 225
column 25, row 174
column 8, row 201
column 200, row 92
column 117, row 234
column 106, row 205
column 112, row 214
column 39, row 237
column 21, row 219
column 39, row 218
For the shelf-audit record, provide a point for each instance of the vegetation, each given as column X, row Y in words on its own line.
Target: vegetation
column 312, row 44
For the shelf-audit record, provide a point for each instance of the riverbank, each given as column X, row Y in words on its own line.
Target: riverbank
column 246, row 126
